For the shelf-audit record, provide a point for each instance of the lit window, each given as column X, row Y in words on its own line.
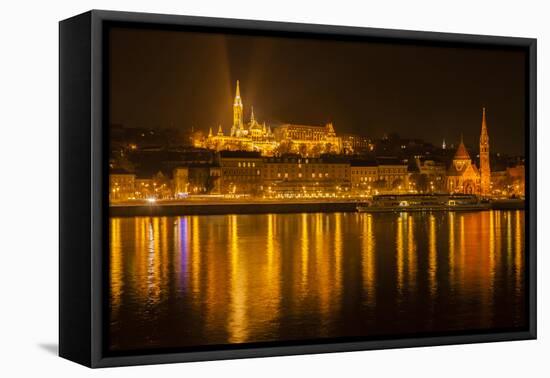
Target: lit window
column 300, row 175
column 313, row 175
column 239, row 164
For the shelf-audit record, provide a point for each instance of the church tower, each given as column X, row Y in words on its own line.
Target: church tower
column 237, row 113
column 484, row 165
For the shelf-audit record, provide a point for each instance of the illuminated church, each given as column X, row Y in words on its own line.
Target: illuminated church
column 463, row 176
column 248, row 136
column 255, row 136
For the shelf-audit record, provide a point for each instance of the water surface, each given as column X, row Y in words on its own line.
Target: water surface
column 210, row 280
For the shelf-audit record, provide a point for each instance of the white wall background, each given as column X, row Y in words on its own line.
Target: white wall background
column 28, row 161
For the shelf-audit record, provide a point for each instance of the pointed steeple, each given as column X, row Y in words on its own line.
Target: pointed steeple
column 220, row 131
column 252, row 120
column 238, row 109
column 484, row 132
column 210, row 133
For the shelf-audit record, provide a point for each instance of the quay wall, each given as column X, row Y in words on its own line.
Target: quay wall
column 172, row 209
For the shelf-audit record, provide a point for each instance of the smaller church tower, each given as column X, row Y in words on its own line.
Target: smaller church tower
column 484, row 164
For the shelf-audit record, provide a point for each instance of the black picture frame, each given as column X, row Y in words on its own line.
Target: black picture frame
column 83, row 205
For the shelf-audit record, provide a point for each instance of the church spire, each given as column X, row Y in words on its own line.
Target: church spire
column 484, row 132
column 237, row 110
column 252, row 115
column 220, row 130
column 484, row 160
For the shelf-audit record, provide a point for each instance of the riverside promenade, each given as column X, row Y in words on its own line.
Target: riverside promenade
column 217, row 207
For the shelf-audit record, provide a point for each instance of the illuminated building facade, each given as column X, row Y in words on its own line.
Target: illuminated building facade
column 121, row 185
column 393, row 175
column 240, row 172
column 296, row 176
column 352, row 143
column 463, row 176
column 258, row 136
column 243, row 136
column 180, row 181
column 308, row 140
column 363, row 176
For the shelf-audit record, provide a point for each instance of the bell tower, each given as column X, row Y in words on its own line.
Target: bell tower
column 484, row 164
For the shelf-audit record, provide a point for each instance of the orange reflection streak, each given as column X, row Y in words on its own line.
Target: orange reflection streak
column 519, row 254
column 338, row 246
column 117, row 268
column 273, row 275
column 368, row 261
column 399, row 243
column 238, row 319
column 195, row 254
column 509, row 247
column 432, row 259
column 411, row 255
column 462, row 236
column 322, row 271
column 177, row 253
column 153, row 271
column 452, row 267
column 164, row 257
column 141, row 255
column 304, row 255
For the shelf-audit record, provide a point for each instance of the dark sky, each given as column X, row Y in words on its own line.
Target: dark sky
column 181, row 79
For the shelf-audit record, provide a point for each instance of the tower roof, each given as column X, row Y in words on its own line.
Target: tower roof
column 238, row 101
column 461, row 152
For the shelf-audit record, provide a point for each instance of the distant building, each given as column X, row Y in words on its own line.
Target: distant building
column 121, row 185
column 517, row 177
column 294, row 175
column 431, row 175
column 144, row 188
column 352, row 143
column 240, row 172
column 180, row 181
column 392, row 175
column 308, row 140
column 364, row 174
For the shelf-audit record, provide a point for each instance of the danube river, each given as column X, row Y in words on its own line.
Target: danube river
column 220, row 279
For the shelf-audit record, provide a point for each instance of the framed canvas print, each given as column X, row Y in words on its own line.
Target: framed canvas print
column 233, row 188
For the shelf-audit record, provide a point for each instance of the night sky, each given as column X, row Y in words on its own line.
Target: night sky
column 163, row 79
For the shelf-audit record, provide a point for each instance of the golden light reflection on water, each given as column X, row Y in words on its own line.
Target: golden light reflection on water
column 368, row 262
column 432, row 267
column 240, row 278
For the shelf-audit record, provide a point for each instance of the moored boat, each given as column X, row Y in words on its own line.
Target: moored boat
column 412, row 203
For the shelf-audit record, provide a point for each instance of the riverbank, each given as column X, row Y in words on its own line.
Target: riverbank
column 255, row 207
